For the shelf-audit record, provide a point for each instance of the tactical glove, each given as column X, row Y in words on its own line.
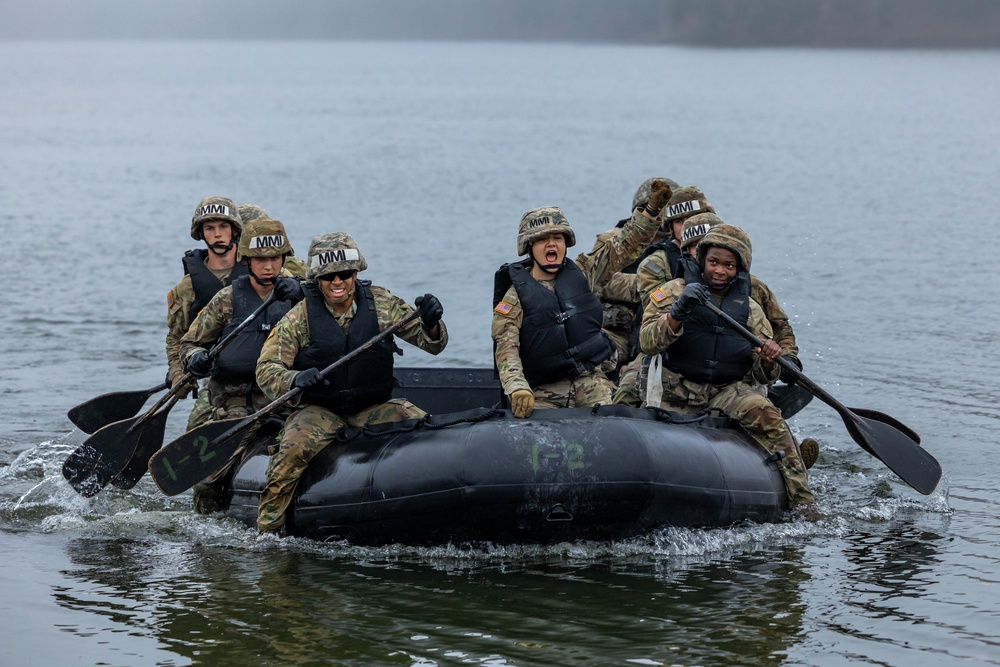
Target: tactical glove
column 199, row 364
column 289, row 289
column 522, row 402
column 429, row 309
column 659, row 194
column 693, row 294
column 310, row 377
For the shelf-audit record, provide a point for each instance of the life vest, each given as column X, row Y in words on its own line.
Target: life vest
column 561, row 336
column 237, row 362
column 204, row 282
column 710, row 350
column 366, row 379
column 688, row 266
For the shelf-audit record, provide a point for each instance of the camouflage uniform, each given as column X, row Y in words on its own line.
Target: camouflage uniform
column 311, row 428
column 610, row 254
column 182, row 298
column 744, row 401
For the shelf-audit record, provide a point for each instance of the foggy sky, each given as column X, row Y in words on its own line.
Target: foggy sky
column 866, row 23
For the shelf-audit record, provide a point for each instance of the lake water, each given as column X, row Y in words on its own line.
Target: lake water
column 866, row 179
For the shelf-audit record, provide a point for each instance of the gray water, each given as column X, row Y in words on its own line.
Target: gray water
column 866, row 180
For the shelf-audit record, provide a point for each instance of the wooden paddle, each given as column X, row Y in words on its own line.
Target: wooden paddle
column 882, row 436
column 106, row 408
column 108, row 454
column 203, row 451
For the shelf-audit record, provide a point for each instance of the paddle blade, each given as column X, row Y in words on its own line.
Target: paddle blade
column 789, row 399
column 899, row 452
column 148, row 444
column 105, row 409
column 887, row 419
column 90, row 467
column 196, row 455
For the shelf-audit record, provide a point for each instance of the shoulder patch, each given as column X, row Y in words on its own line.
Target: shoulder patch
column 170, row 299
column 658, row 295
column 503, row 308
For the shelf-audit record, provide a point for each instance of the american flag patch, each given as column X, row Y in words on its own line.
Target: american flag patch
column 503, row 307
column 658, row 295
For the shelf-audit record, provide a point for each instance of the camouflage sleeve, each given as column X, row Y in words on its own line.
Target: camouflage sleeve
column 390, row 309
column 618, row 250
column 655, row 334
column 506, row 333
column 652, row 272
column 207, row 327
column 179, row 301
column 760, row 328
column 776, row 317
column 277, row 356
column 621, row 287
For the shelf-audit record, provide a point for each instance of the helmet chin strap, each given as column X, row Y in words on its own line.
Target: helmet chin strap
column 547, row 268
column 263, row 282
column 215, row 247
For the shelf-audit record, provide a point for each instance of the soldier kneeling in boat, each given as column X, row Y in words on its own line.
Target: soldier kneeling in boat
column 339, row 314
column 547, row 318
column 231, row 389
column 707, row 364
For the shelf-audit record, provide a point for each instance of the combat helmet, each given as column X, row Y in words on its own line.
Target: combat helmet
column 264, row 237
column 540, row 222
column 641, row 196
column 685, row 201
column 729, row 237
column 215, row 208
column 696, row 227
column 336, row 251
column 249, row 212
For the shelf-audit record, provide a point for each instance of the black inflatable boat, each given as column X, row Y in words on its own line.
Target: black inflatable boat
column 470, row 471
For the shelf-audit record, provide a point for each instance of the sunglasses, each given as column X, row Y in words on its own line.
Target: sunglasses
column 343, row 275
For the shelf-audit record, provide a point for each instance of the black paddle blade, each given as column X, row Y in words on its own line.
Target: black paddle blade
column 887, row 419
column 899, row 452
column 90, row 467
column 196, row 455
column 148, row 444
column 789, row 399
column 102, row 410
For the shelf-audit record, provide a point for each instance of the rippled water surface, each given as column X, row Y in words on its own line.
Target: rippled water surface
column 866, row 180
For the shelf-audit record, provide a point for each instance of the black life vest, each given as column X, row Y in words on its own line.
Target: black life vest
column 710, row 350
column 561, row 336
column 688, row 266
column 237, row 362
column 366, row 379
column 204, row 282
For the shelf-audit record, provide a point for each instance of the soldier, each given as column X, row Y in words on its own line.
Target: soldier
column 231, row 387
column 338, row 314
column 217, row 222
column 620, row 296
column 709, row 365
column 546, row 328
column 294, row 265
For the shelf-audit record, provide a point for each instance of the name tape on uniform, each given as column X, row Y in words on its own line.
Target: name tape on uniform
column 271, row 241
column 330, row 256
column 684, row 207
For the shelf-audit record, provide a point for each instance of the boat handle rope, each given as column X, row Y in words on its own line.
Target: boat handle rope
column 348, row 433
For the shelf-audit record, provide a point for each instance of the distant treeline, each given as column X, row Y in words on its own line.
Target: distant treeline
column 737, row 23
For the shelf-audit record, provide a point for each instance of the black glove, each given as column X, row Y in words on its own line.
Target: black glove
column 693, row 294
column 310, row 377
column 287, row 288
column 429, row 309
column 789, row 378
column 168, row 381
column 199, row 364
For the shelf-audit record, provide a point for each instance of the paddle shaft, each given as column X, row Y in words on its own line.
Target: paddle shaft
column 213, row 353
column 295, row 391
